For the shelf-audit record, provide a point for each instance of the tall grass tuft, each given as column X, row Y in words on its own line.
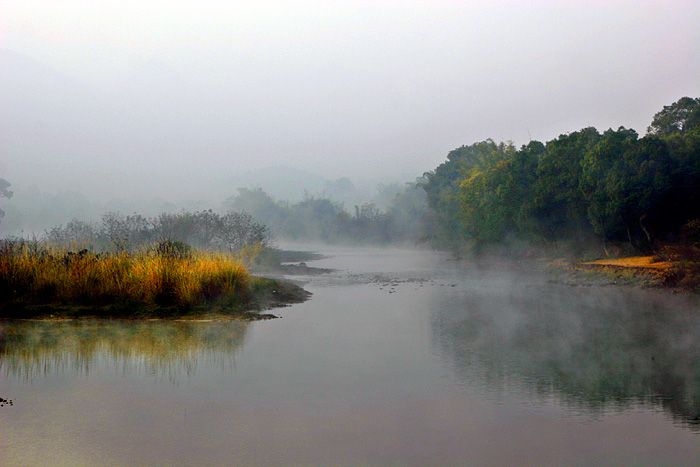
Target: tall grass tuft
column 151, row 280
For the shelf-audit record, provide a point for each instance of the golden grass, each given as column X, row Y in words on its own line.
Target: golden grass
column 644, row 270
column 635, row 262
column 59, row 277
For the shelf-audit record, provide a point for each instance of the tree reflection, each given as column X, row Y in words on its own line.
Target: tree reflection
column 596, row 349
column 29, row 348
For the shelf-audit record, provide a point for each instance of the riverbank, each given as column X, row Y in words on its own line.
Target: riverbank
column 266, row 294
column 640, row 271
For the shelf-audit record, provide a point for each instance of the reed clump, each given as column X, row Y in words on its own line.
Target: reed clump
column 164, row 279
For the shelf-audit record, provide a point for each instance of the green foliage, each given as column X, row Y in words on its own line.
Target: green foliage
column 605, row 180
column 443, row 186
column 558, row 205
column 612, row 188
column 681, row 117
column 691, row 233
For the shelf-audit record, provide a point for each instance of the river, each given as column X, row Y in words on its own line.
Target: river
column 400, row 358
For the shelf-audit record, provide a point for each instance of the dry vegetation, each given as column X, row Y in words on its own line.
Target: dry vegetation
column 675, row 266
column 170, row 279
column 647, row 270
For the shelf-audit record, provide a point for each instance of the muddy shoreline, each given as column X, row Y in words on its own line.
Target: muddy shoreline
column 267, row 294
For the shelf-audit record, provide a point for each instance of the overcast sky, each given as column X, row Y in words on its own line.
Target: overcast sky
column 380, row 89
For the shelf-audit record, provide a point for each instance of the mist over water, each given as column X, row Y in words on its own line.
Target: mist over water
column 401, row 357
column 596, row 349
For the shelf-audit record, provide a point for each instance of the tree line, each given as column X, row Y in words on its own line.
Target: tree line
column 404, row 219
column 612, row 189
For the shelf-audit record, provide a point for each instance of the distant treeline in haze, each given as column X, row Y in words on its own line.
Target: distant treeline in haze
column 399, row 215
column 583, row 188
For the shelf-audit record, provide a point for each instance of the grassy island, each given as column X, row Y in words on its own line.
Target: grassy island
column 168, row 279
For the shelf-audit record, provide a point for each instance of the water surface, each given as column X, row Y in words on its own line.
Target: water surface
column 399, row 358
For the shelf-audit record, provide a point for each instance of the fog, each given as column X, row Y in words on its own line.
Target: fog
column 189, row 101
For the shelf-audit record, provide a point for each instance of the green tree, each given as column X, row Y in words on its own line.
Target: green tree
column 559, row 207
column 604, row 178
column 442, row 186
column 682, row 201
column 626, row 180
column 582, row 186
column 682, row 117
column 497, row 202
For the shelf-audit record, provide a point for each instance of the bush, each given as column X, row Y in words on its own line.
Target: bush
column 174, row 250
column 172, row 232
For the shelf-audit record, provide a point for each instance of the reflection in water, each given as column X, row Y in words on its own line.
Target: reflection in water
column 28, row 348
column 598, row 349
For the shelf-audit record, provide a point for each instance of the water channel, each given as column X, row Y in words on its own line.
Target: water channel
column 400, row 358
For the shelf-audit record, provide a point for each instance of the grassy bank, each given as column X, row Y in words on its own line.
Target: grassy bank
column 675, row 267
column 168, row 280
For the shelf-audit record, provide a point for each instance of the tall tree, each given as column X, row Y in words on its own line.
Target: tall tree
column 496, row 202
column 680, row 117
column 442, row 185
column 558, row 203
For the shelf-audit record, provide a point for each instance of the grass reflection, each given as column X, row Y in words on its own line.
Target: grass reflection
column 29, row 348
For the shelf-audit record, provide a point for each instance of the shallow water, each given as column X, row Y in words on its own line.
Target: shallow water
column 399, row 358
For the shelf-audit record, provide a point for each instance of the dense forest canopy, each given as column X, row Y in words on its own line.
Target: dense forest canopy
column 581, row 188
